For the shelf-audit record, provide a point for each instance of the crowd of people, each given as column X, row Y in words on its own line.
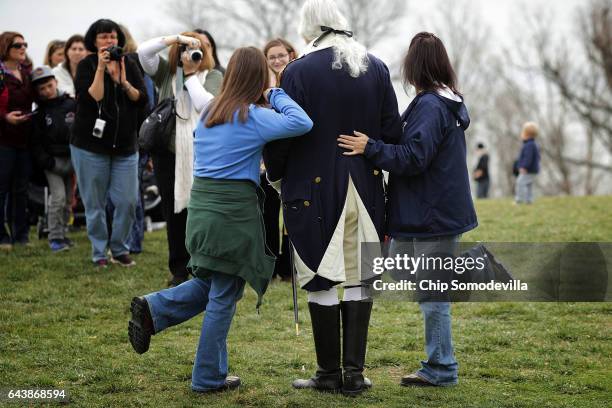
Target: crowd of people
column 271, row 164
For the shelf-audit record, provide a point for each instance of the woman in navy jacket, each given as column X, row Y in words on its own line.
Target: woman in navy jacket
column 429, row 204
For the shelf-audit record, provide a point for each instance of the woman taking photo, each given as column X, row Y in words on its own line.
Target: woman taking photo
column 66, row 71
column 429, row 204
column 55, row 53
column 15, row 126
column 225, row 236
column 193, row 84
column 109, row 90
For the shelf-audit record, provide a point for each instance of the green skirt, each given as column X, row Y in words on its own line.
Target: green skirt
column 225, row 232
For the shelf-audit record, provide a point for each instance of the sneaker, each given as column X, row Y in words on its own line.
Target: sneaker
column 140, row 326
column 58, row 245
column 68, row 242
column 123, row 260
column 6, row 247
column 101, row 263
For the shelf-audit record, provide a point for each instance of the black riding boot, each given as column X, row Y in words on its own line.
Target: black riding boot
column 355, row 322
column 326, row 333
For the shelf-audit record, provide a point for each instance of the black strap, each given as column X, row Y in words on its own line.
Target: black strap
column 327, row 31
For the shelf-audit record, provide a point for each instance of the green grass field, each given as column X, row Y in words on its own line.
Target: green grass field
column 63, row 324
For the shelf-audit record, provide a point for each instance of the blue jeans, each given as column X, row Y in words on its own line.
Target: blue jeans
column 524, row 188
column 14, row 175
column 99, row 176
column 138, row 226
column 217, row 296
column 440, row 368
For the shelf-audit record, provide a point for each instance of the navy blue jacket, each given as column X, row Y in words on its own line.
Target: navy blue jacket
column 313, row 169
column 429, row 186
column 530, row 157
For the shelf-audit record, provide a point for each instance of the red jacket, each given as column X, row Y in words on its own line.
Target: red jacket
column 16, row 96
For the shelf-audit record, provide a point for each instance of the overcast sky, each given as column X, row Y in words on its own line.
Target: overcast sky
column 43, row 20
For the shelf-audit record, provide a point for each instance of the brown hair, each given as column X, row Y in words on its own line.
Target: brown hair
column 6, row 40
column 280, row 42
column 208, row 62
column 244, row 82
column 427, row 66
column 51, row 48
column 76, row 38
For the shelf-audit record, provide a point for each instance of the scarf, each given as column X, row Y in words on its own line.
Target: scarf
column 183, row 168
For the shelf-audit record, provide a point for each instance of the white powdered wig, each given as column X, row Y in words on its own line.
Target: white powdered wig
column 347, row 51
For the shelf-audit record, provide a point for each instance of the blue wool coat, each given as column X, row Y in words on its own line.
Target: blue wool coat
column 313, row 170
column 429, row 185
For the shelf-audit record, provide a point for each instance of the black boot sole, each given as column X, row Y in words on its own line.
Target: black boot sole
column 140, row 337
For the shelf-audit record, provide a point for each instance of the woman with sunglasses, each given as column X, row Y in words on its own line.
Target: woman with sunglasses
column 193, row 83
column 15, row 110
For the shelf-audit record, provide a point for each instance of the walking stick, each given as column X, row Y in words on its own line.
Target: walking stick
column 294, row 288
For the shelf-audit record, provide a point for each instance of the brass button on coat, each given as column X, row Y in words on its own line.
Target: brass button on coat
column 306, row 203
column 376, row 172
column 318, row 180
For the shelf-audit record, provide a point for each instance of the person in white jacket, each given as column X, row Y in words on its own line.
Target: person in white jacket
column 65, row 72
column 193, row 82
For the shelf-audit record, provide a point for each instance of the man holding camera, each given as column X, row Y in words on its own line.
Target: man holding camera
column 109, row 91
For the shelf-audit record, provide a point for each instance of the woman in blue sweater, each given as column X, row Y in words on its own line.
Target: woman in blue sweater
column 429, row 204
column 225, row 235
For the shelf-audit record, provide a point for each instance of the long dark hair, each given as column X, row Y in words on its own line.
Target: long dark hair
column 243, row 84
column 218, row 65
column 427, row 66
column 76, row 38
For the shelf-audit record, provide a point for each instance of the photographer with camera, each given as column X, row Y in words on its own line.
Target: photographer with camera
column 189, row 77
column 109, row 92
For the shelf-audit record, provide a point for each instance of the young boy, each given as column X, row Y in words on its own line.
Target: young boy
column 50, row 148
column 528, row 164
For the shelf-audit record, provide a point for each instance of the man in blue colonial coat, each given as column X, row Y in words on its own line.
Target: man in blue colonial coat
column 333, row 202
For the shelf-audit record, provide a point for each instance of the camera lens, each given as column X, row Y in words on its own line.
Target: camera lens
column 195, row 55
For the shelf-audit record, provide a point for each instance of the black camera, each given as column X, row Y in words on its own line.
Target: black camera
column 115, row 53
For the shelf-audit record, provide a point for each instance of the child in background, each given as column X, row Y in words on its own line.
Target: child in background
column 528, row 164
column 50, row 149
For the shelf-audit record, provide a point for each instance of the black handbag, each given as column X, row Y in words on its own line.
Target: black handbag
column 156, row 130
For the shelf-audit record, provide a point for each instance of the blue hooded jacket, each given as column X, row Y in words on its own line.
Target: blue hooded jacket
column 429, row 186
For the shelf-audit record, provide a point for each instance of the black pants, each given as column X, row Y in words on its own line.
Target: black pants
column 178, row 257
column 271, row 211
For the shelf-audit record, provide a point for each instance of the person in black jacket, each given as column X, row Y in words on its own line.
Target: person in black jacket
column 50, row 148
column 430, row 203
column 481, row 172
column 110, row 91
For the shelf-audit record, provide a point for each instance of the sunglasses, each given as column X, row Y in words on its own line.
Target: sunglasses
column 19, row 45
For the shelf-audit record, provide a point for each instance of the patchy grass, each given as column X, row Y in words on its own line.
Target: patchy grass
column 63, row 324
